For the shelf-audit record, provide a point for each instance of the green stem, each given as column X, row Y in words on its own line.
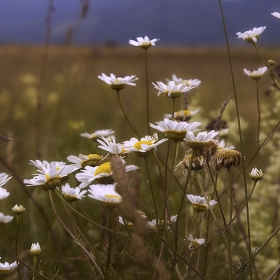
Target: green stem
column 259, row 115
column 16, row 249
column 273, row 75
column 110, row 241
column 151, row 188
column 238, row 119
column 230, row 217
column 147, row 91
column 118, row 95
column 34, row 266
column 74, row 238
column 173, row 107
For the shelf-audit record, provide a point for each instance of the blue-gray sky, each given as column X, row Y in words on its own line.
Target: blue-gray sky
column 175, row 22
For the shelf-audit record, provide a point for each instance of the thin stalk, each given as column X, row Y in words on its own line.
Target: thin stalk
column 16, row 248
column 110, row 241
column 74, row 238
column 238, row 120
column 173, row 107
column 273, row 75
column 171, row 175
column 230, row 217
column 181, row 207
column 147, row 91
column 274, row 272
column 259, row 115
column 34, row 266
column 119, row 100
column 151, row 188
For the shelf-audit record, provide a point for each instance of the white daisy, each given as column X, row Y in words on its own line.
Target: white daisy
column 5, row 219
column 172, row 89
column 201, row 136
column 162, row 226
column 200, row 203
column 4, row 178
column 195, row 242
column 256, row 74
column 118, row 83
column 35, row 249
column 174, row 129
column 6, row 268
column 51, row 177
column 256, row 174
column 130, row 224
column 72, row 194
column 275, row 14
column 190, row 82
column 98, row 133
column 144, row 43
column 251, row 36
column 106, row 194
column 112, row 147
column 85, row 160
column 182, row 115
column 145, row 146
column 222, row 146
column 45, row 165
column 102, row 173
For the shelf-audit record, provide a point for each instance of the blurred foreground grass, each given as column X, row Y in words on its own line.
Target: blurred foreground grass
column 76, row 101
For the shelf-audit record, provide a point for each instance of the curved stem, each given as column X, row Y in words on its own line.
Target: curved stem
column 74, row 238
column 118, row 95
column 147, row 91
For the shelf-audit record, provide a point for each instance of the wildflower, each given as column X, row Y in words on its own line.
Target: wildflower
column 251, row 36
column 203, row 143
column 182, row 115
column 199, row 203
column 112, row 147
column 256, row 174
column 118, row 83
column 5, row 219
column 102, row 173
column 6, row 268
column 85, row 160
column 162, row 226
column 195, row 242
column 106, row 194
column 222, row 146
column 128, row 223
column 35, row 249
column 51, row 177
column 4, row 178
column 144, row 43
column 227, row 158
column 172, row 89
column 256, row 74
column 175, row 130
column 18, row 209
column 145, row 146
column 190, row 82
column 98, row 133
column 3, row 193
column 72, row 194
column 275, row 14
column 45, row 165
column 197, row 163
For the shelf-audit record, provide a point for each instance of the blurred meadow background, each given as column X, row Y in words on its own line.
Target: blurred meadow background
column 59, row 55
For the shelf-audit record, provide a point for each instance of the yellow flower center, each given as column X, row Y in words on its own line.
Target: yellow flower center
column 103, row 168
column 113, row 196
column 138, row 144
